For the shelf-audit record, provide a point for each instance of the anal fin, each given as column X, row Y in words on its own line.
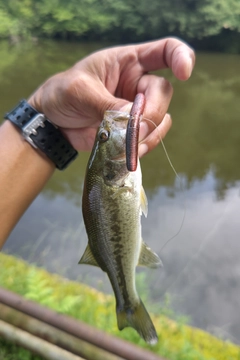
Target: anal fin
column 88, row 257
column 149, row 258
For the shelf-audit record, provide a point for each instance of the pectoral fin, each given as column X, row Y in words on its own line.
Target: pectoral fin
column 120, row 190
column 149, row 258
column 88, row 257
column 144, row 202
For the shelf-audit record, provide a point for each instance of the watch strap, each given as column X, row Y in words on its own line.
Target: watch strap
column 21, row 114
column 44, row 136
column 51, row 141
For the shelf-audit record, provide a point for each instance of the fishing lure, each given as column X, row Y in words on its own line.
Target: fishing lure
column 132, row 134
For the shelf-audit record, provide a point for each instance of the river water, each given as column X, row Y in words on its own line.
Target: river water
column 193, row 221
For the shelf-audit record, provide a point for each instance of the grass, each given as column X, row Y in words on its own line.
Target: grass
column 177, row 341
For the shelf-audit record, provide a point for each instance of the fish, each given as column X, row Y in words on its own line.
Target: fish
column 112, row 204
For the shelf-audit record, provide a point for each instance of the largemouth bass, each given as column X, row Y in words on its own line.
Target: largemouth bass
column 113, row 201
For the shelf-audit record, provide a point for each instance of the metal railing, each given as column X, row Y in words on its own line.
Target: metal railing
column 55, row 336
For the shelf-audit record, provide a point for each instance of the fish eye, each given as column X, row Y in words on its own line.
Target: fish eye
column 103, row 135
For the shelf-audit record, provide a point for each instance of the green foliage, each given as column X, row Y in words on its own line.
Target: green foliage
column 119, row 20
column 6, row 23
column 71, row 18
column 9, row 351
column 39, row 290
column 201, row 18
column 176, row 340
column 19, row 17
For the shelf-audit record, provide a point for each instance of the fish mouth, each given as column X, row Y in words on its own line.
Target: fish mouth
column 117, row 115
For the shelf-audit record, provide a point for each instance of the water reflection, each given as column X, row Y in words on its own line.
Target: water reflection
column 201, row 263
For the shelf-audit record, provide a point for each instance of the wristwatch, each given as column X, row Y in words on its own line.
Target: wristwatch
column 42, row 134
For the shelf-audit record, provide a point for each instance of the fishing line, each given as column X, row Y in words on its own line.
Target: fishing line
column 203, row 243
column 208, row 236
column 178, row 177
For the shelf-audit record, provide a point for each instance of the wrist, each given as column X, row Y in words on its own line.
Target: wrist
column 42, row 134
column 22, row 149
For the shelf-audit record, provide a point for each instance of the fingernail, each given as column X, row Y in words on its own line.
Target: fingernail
column 143, row 130
column 142, row 150
column 126, row 107
column 189, row 66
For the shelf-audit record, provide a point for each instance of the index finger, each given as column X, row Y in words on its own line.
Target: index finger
column 167, row 53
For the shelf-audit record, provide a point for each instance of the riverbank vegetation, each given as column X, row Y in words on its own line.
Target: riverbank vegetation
column 207, row 24
column 177, row 341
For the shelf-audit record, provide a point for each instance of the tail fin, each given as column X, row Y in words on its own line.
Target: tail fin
column 138, row 318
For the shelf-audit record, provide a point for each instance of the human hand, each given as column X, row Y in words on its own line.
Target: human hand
column 76, row 99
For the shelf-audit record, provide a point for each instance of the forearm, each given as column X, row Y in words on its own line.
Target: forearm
column 24, row 172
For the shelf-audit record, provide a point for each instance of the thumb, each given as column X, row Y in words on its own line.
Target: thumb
column 107, row 101
column 126, row 107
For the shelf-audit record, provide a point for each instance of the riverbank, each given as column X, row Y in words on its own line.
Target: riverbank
column 211, row 26
column 176, row 340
